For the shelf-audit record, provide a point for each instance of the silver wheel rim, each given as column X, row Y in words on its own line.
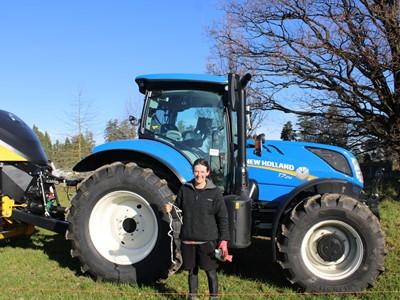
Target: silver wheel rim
column 123, row 227
column 343, row 267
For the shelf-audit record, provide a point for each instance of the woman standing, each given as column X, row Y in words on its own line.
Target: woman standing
column 205, row 225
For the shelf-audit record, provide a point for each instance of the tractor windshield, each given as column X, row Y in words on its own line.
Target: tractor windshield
column 193, row 122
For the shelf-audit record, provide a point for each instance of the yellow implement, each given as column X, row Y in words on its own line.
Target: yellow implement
column 9, row 227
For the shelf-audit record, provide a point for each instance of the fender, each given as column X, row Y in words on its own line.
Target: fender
column 317, row 186
column 142, row 151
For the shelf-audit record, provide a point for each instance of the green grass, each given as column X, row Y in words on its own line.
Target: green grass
column 40, row 267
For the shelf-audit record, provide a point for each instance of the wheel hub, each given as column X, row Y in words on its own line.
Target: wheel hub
column 330, row 248
column 129, row 225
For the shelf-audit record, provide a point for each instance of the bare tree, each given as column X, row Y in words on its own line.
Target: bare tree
column 224, row 60
column 309, row 55
column 133, row 107
column 80, row 119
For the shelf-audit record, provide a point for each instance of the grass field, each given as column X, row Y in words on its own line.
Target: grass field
column 40, row 267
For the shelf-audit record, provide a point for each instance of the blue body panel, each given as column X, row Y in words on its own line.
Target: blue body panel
column 172, row 158
column 185, row 77
column 289, row 165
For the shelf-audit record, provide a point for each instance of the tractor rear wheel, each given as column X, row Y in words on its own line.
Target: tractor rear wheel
column 331, row 243
column 117, row 226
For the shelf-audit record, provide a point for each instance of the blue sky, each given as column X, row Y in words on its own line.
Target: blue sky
column 52, row 51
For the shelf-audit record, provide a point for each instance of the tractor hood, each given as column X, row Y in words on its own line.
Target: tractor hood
column 18, row 142
column 290, row 164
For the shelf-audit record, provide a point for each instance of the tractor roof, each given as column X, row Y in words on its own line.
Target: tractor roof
column 179, row 81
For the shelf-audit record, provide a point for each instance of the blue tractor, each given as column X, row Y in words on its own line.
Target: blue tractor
column 306, row 197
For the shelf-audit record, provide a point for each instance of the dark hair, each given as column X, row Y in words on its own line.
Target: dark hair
column 203, row 162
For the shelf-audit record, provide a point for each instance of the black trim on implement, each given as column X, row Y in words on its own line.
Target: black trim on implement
column 51, row 224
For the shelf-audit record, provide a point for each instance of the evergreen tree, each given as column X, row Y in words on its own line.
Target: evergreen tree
column 287, row 133
column 63, row 155
column 81, row 145
column 45, row 141
column 119, row 130
column 308, row 131
column 333, row 130
column 69, row 153
column 67, row 144
column 111, row 131
column 328, row 129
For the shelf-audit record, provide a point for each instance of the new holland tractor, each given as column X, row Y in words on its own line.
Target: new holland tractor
column 306, row 197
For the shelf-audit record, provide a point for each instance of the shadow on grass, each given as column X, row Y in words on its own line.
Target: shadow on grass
column 252, row 263
column 167, row 292
column 255, row 263
column 58, row 249
column 54, row 246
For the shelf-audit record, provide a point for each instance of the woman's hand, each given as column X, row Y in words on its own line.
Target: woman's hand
column 223, row 245
column 168, row 207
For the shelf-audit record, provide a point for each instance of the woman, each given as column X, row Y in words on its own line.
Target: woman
column 205, row 223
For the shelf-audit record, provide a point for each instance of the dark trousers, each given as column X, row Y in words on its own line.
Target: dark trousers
column 194, row 282
column 197, row 256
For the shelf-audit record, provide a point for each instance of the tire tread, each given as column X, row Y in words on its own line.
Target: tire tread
column 310, row 207
column 107, row 171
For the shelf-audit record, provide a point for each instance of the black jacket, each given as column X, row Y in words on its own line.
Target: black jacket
column 205, row 217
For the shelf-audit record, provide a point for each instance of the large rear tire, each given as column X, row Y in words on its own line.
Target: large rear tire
column 331, row 243
column 117, row 225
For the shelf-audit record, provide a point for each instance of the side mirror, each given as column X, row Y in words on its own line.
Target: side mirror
column 133, row 120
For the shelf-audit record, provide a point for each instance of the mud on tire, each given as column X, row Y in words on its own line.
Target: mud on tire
column 117, row 226
column 331, row 243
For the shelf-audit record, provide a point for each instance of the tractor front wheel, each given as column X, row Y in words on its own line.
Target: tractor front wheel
column 331, row 243
column 118, row 229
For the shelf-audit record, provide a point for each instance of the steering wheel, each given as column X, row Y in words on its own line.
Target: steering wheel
column 174, row 135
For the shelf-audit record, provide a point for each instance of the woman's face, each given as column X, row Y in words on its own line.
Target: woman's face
column 200, row 174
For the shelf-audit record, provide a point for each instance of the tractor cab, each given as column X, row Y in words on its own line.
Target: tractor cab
column 192, row 114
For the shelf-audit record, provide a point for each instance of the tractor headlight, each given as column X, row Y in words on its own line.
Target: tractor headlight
column 357, row 168
column 335, row 159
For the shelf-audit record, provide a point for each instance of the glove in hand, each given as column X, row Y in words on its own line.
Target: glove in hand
column 223, row 245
